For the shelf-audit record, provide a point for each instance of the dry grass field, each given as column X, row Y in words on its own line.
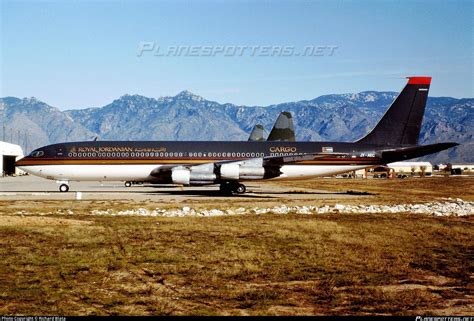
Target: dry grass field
column 334, row 264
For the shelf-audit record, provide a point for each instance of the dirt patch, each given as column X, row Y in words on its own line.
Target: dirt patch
column 39, row 221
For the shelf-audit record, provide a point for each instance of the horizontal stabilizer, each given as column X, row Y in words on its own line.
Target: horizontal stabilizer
column 414, row 151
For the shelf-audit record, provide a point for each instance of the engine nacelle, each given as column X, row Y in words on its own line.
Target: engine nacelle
column 188, row 177
column 181, row 176
column 236, row 172
column 230, row 171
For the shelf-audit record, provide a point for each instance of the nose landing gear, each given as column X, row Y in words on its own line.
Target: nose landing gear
column 63, row 187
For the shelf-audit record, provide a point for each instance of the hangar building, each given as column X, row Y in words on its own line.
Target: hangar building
column 408, row 167
column 9, row 154
column 400, row 168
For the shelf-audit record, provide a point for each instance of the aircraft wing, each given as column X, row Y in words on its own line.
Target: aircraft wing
column 257, row 134
column 283, row 130
column 282, row 160
column 245, row 169
column 285, row 160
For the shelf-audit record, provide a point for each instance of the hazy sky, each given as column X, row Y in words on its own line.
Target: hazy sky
column 86, row 53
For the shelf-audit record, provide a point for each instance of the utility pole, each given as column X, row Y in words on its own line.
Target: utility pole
column 26, row 142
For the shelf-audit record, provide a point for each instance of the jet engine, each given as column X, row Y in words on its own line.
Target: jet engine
column 206, row 174
column 239, row 172
column 188, row 177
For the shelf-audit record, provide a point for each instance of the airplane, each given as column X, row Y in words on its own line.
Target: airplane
column 230, row 163
column 257, row 133
column 283, row 130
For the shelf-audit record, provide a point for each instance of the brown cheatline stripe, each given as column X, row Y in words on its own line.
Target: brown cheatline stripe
column 109, row 162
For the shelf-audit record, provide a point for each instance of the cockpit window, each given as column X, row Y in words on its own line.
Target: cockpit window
column 59, row 151
column 37, row 153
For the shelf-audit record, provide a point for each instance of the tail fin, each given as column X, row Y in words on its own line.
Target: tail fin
column 283, row 130
column 401, row 123
column 257, row 134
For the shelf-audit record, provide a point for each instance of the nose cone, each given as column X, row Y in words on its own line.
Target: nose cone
column 22, row 164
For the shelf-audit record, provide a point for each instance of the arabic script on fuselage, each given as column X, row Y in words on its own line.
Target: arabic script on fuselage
column 111, row 149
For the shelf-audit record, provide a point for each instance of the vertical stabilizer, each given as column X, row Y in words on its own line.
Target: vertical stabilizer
column 401, row 123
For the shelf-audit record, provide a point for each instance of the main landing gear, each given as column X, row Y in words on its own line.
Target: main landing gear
column 232, row 188
column 128, row 184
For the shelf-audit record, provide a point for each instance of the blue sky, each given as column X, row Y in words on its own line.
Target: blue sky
column 85, row 53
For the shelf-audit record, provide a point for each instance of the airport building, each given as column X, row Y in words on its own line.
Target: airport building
column 398, row 169
column 463, row 167
column 457, row 169
column 9, row 154
column 411, row 167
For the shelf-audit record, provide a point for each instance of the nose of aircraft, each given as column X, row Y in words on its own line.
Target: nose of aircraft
column 20, row 162
column 22, row 165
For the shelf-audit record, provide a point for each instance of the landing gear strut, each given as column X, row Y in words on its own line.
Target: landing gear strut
column 232, row 188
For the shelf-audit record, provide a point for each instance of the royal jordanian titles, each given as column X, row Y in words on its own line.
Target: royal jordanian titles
column 230, row 163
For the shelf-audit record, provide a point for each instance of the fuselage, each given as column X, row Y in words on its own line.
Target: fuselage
column 134, row 161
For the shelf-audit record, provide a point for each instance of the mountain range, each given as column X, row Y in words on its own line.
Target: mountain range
column 186, row 116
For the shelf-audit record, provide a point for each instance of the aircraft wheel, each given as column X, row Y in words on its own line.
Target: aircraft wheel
column 128, row 184
column 63, row 188
column 240, row 189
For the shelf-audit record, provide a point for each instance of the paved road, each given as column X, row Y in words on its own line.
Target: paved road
column 35, row 188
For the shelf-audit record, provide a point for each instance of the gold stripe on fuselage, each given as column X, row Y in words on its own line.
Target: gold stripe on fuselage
column 34, row 162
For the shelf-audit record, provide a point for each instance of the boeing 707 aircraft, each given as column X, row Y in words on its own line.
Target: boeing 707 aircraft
column 229, row 163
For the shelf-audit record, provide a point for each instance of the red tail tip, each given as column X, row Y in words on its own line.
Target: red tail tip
column 419, row 80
